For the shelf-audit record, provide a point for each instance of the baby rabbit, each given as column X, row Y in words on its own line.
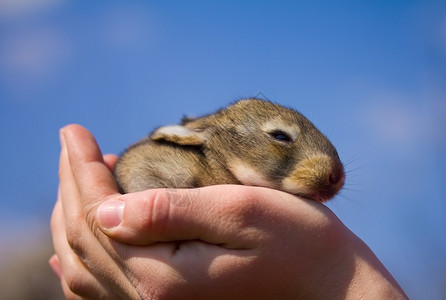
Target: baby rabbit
column 251, row 142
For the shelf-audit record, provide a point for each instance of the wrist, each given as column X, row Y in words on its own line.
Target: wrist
column 371, row 280
column 350, row 270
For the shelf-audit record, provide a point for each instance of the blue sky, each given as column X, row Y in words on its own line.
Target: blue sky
column 370, row 74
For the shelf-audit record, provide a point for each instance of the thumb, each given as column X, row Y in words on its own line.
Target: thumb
column 214, row 214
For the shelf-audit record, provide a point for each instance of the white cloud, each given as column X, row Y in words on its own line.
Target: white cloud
column 11, row 8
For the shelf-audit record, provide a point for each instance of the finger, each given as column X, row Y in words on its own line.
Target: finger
column 226, row 215
column 93, row 178
column 78, row 220
column 68, row 293
column 73, row 210
column 79, row 234
column 110, row 161
column 75, row 278
column 55, row 265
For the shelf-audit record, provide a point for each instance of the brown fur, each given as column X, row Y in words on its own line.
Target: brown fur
column 252, row 142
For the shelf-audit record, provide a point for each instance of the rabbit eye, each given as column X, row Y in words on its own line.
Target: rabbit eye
column 281, row 136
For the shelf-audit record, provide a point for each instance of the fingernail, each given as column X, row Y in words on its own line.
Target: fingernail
column 109, row 213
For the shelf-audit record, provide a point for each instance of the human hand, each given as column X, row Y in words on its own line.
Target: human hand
column 213, row 242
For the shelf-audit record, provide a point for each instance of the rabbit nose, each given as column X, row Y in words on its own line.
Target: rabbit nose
column 336, row 175
column 319, row 177
column 333, row 178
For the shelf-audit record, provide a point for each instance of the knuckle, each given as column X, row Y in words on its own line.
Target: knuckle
column 75, row 240
column 248, row 203
column 90, row 215
column 149, row 212
column 244, row 206
column 77, row 284
column 90, row 208
column 154, row 213
column 167, row 285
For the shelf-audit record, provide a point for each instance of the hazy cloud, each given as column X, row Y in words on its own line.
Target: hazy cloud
column 443, row 32
column 11, row 8
column 126, row 26
column 395, row 120
column 32, row 54
column 441, row 35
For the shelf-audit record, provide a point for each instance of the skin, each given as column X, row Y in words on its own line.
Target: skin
column 217, row 242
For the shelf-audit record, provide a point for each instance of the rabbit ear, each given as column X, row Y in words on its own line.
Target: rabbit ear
column 179, row 135
column 187, row 119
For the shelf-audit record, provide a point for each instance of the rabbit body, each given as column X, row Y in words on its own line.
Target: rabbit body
column 250, row 142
